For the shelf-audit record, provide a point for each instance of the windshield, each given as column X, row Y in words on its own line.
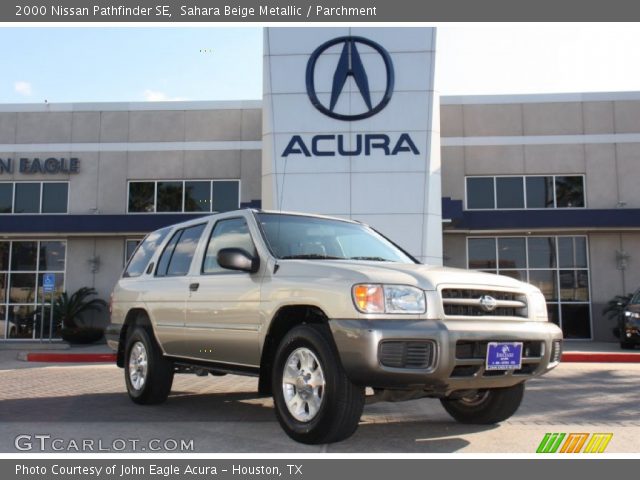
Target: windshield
column 296, row 236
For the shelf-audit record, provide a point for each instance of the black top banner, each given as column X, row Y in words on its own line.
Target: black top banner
column 262, row 11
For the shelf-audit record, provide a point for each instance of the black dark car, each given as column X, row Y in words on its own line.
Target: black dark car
column 630, row 323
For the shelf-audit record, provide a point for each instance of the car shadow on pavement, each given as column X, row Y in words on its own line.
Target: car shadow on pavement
column 244, row 410
column 115, row 407
column 413, row 436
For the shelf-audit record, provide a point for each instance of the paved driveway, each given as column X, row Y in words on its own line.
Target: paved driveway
column 224, row 414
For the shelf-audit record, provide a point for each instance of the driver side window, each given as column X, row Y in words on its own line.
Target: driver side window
column 230, row 233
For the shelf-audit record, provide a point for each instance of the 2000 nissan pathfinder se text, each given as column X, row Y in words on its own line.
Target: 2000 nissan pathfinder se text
column 321, row 308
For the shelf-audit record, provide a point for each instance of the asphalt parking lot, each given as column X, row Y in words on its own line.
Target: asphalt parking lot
column 224, row 414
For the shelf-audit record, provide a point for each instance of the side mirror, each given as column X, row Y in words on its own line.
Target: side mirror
column 238, row 259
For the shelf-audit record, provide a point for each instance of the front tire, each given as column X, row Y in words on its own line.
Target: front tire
column 485, row 407
column 147, row 373
column 314, row 400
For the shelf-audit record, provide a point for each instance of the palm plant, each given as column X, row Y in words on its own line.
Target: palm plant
column 69, row 310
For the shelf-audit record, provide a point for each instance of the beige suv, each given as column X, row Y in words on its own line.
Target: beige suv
column 319, row 309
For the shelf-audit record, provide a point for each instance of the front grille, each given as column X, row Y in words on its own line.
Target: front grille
column 468, row 302
column 404, row 354
column 466, row 350
column 471, row 356
column 465, row 370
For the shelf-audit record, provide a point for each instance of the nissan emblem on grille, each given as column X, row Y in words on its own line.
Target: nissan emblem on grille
column 488, row 303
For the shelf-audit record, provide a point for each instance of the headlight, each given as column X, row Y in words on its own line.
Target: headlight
column 370, row 298
column 538, row 305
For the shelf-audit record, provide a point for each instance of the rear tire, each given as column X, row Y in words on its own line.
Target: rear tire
column 147, row 373
column 314, row 400
column 487, row 406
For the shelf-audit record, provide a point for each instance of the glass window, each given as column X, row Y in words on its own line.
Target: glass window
column 512, row 253
column 517, row 274
column 169, row 197
column 226, row 196
column 509, row 192
column 480, row 193
column 563, row 281
column 22, row 288
column 574, row 285
column 572, row 252
column 4, row 255
column 27, row 198
column 231, row 233
column 545, row 280
column 129, row 249
column 569, row 192
column 165, row 258
column 54, row 197
column 482, row 253
column 197, row 196
column 6, row 197
column 575, row 321
column 21, row 321
column 3, row 291
column 21, row 284
column 24, row 256
column 539, row 192
column 552, row 313
column 52, row 256
column 302, row 237
column 141, row 196
column 144, row 252
column 542, row 252
column 184, row 250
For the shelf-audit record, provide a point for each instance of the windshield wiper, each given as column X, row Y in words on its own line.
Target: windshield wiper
column 311, row 256
column 373, row 259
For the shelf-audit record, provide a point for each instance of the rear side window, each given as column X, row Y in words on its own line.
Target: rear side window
column 231, row 233
column 177, row 255
column 144, row 252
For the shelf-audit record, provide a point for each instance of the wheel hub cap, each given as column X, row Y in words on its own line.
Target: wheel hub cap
column 138, row 365
column 303, row 384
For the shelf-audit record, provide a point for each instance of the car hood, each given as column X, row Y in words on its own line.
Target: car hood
column 427, row 277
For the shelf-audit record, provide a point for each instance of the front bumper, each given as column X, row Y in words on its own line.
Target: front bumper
column 358, row 343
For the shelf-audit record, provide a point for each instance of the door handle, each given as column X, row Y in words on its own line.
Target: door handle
column 193, row 287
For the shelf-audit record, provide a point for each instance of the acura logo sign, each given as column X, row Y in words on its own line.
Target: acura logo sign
column 349, row 65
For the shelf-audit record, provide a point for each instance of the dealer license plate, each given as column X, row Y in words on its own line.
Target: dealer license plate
column 504, row 355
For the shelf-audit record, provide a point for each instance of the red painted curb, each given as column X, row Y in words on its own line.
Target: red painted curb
column 601, row 357
column 71, row 357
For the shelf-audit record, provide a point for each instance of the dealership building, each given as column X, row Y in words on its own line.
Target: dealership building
column 538, row 187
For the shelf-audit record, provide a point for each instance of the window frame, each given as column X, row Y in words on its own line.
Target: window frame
column 556, row 270
column 524, row 192
column 41, row 199
column 139, row 240
column 210, row 236
column 169, row 239
column 38, row 301
column 183, row 181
